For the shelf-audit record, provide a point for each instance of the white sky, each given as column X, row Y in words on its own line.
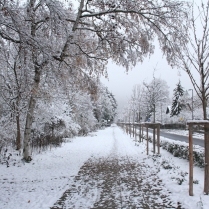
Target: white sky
column 120, row 83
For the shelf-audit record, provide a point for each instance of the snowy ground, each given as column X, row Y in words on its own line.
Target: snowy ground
column 103, row 170
column 183, row 133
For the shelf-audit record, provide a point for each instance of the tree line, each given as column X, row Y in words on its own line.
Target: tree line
column 152, row 102
column 50, row 48
column 191, row 54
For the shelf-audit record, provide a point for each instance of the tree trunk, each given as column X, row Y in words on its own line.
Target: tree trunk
column 17, row 117
column 16, row 106
column 18, row 137
column 206, row 182
column 32, row 101
column 206, row 143
column 29, row 118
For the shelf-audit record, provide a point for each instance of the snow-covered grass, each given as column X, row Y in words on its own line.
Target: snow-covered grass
column 41, row 183
column 183, row 133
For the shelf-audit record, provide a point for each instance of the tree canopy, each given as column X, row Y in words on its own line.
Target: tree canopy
column 42, row 39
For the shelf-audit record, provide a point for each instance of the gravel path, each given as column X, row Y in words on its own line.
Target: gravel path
column 115, row 183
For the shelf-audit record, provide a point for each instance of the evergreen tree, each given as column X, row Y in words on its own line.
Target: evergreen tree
column 176, row 104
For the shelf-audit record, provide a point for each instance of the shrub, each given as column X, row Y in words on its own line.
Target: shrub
column 182, row 151
column 165, row 164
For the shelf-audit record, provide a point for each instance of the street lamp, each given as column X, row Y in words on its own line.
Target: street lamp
column 192, row 104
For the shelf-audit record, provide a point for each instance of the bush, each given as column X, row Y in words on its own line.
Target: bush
column 182, row 151
column 195, row 182
column 165, row 164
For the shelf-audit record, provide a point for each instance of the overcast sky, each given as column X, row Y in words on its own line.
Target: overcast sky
column 120, row 82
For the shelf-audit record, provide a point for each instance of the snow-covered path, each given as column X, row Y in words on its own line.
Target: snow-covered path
column 102, row 170
column 119, row 180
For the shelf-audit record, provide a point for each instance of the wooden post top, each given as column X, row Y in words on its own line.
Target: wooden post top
column 198, row 122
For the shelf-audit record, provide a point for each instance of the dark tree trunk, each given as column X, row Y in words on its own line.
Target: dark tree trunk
column 29, row 117
column 18, row 136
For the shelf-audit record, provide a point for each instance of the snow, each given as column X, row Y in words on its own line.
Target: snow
column 197, row 121
column 42, row 182
column 183, row 133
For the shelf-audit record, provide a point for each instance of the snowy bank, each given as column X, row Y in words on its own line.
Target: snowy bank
column 39, row 184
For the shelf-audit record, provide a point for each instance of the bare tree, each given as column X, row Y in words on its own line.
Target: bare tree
column 193, row 58
column 14, row 85
column 156, row 93
column 136, row 101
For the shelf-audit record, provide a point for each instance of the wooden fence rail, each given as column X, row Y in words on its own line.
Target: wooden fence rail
column 131, row 129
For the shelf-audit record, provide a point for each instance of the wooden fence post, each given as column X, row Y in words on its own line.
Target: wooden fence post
column 206, row 180
column 133, row 129
column 147, row 141
column 153, row 140
column 130, row 129
column 190, row 161
column 142, row 127
column 158, row 139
